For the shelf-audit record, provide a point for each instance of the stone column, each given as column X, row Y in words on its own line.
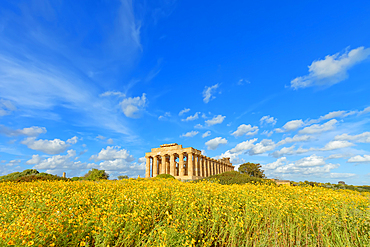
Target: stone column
column 147, row 168
column 201, row 161
column 163, row 162
column 172, row 164
column 167, row 166
column 197, row 162
column 195, row 171
column 215, row 167
column 210, row 167
column 190, row 165
column 155, row 166
column 181, row 164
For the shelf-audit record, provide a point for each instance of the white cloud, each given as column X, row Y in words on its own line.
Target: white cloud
column 13, row 163
column 268, row 133
column 112, row 153
column 362, row 138
column 208, row 133
column 359, row 159
column 110, row 141
column 245, row 129
column 31, row 131
column 191, row 118
column 289, row 151
column 296, row 138
column 332, row 145
column 215, row 143
column 207, row 93
column 338, row 156
column 198, row 126
column 35, row 160
column 312, row 160
column 184, row 111
column 262, row 147
column 166, row 114
column 215, row 120
column 101, row 137
column 55, row 146
column 317, row 128
column 312, row 165
column 267, row 119
column 126, row 167
column 243, row 146
column 278, row 163
column 331, row 115
column 73, row 140
column 366, row 110
column 6, row 107
column 112, row 93
column 332, row 69
column 190, row 134
column 243, row 82
column 60, row 162
column 290, row 126
column 132, row 106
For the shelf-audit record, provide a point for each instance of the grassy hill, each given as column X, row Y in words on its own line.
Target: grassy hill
column 30, row 175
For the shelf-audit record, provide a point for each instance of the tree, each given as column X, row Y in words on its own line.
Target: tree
column 96, row 174
column 252, row 169
column 122, row 177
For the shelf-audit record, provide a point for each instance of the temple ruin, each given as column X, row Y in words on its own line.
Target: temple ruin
column 183, row 163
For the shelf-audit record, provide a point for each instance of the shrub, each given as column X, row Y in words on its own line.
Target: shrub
column 165, row 176
column 96, row 174
column 16, row 175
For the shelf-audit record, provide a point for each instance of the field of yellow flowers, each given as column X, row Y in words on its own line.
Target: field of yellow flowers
column 163, row 212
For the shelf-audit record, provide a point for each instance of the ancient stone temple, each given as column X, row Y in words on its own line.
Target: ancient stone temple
column 183, row 163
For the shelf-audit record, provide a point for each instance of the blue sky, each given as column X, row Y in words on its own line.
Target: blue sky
column 96, row 84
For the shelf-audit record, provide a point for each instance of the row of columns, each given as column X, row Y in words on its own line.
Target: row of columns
column 195, row 165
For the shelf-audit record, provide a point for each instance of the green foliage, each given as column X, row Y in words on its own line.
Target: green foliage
column 77, row 178
column 251, row 169
column 95, row 174
column 234, row 177
column 165, row 176
column 122, row 177
column 16, row 175
column 30, row 175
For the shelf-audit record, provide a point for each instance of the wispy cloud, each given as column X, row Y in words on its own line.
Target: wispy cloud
column 191, row 118
column 268, row 120
column 332, row 69
column 190, row 134
column 208, row 93
column 184, row 111
column 31, row 131
column 6, row 107
column 215, row 120
column 132, row 106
